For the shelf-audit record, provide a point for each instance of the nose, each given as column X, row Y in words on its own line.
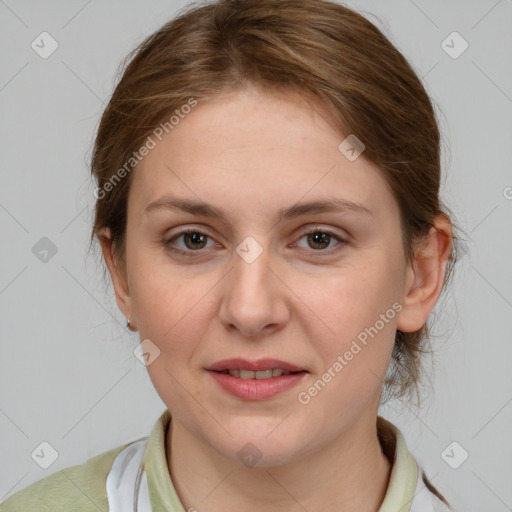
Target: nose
column 255, row 298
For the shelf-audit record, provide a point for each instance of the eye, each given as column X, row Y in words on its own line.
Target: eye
column 319, row 239
column 193, row 239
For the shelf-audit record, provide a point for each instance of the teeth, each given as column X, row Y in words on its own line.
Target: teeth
column 260, row 375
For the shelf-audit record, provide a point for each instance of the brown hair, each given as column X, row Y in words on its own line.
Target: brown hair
column 319, row 48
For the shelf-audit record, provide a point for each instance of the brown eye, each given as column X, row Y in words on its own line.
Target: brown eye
column 193, row 239
column 320, row 239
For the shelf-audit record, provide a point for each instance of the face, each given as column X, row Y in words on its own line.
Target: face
column 319, row 289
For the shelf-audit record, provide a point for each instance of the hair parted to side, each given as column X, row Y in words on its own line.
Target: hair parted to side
column 318, row 48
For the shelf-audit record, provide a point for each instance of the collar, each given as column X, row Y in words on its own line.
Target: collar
column 404, row 471
column 160, row 487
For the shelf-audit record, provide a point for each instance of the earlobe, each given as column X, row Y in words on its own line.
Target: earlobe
column 425, row 276
column 117, row 273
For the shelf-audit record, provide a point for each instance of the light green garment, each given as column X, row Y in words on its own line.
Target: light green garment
column 82, row 488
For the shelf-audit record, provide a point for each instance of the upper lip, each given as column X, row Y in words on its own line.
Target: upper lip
column 260, row 364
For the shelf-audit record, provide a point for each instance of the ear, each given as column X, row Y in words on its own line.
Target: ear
column 117, row 273
column 424, row 276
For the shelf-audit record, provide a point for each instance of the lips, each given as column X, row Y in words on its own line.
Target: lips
column 249, row 385
column 255, row 366
column 256, row 380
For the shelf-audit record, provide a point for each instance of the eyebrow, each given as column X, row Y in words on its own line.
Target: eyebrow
column 201, row 208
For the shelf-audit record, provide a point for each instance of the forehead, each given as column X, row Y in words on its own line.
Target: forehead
column 246, row 145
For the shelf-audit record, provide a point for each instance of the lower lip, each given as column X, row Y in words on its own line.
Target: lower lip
column 256, row 389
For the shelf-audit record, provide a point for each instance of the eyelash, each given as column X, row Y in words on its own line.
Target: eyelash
column 190, row 253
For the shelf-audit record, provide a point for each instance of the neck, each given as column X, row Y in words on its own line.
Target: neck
column 352, row 473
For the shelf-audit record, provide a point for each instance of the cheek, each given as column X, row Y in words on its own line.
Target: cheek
column 171, row 313
column 173, row 310
column 355, row 323
column 160, row 294
column 352, row 299
column 354, row 358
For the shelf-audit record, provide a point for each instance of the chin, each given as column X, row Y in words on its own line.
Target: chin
column 254, row 447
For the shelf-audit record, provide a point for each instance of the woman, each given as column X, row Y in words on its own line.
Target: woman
column 268, row 208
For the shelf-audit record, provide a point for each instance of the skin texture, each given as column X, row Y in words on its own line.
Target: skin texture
column 252, row 153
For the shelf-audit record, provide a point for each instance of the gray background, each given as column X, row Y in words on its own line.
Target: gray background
column 68, row 375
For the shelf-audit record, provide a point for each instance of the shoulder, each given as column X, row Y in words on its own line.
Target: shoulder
column 80, row 488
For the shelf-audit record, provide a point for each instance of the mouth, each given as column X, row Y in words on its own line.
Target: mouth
column 256, row 380
column 259, row 375
column 260, row 369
